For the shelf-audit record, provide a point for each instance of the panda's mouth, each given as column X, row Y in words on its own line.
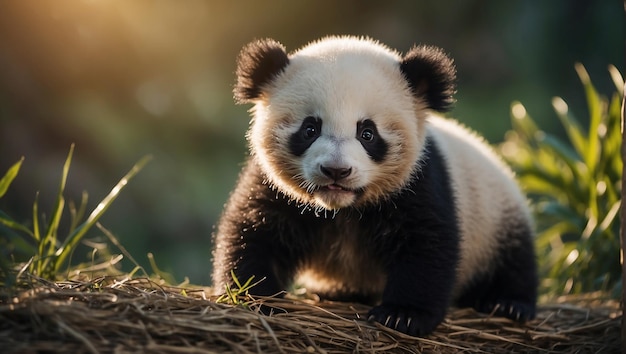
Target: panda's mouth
column 336, row 187
column 336, row 196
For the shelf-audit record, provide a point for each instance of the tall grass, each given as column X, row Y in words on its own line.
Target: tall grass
column 575, row 187
column 48, row 251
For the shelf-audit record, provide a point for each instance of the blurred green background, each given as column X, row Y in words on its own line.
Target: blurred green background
column 123, row 79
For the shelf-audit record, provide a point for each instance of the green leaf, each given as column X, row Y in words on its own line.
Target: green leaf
column 576, row 189
column 522, row 122
column 5, row 182
column 562, row 152
column 595, row 117
column 610, row 217
column 573, row 129
column 554, row 232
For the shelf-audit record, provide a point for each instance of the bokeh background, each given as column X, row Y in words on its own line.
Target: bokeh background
column 123, row 79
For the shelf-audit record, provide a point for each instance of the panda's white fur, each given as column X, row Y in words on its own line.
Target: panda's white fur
column 357, row 188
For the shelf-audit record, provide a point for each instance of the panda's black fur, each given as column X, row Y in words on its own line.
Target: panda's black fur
column 399, row 251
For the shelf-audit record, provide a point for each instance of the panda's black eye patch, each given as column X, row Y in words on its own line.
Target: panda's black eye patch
column 372, row 142
column 308, row 132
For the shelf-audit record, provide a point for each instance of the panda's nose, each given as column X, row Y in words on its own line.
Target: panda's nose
column 336, row 173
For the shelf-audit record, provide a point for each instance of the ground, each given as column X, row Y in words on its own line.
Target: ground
column 114, row 314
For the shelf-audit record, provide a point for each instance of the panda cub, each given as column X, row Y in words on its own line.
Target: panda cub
column 358, row 191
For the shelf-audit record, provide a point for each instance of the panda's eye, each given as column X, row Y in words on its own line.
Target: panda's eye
column 367, row 134
column 369, row 137
column 310, row 131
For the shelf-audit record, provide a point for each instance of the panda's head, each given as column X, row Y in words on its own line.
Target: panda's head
column 340, row 122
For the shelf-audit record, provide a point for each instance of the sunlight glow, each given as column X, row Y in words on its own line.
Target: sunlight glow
column 518, row 110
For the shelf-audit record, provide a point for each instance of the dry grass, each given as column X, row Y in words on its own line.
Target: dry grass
column 118, row 315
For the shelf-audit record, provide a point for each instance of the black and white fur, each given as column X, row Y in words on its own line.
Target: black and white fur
column 358, row 192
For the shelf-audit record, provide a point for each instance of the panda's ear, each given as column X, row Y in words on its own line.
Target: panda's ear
column 258, row 63
column 431, row 75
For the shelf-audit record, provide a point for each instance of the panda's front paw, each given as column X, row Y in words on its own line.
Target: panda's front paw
column 405, row 319
column 515, row 310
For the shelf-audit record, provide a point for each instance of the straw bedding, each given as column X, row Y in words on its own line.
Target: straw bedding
column 113, row 314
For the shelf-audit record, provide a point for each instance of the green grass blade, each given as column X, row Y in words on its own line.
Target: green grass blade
column 48, row 243
column 55, row 220
column 8, row 222
column 538, row 181
column 610, row 217
column 617, row 79
column 572, row 174
column 165, row 276
column 36, row 231
column 594, row 104
column 5, row 182
column 545, row 238
column 522, row 122
column 51, row 236
column 71, row 242
column 235, row 279
column 117, row 244
column 246, row 285
column 562, row 151
column 572, row 128
column 78, row 214
column 612, row 142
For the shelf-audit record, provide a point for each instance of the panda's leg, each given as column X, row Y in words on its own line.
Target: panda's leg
column 267, row 263
column 255, row 253
column 510, row 288
column 419, row 283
